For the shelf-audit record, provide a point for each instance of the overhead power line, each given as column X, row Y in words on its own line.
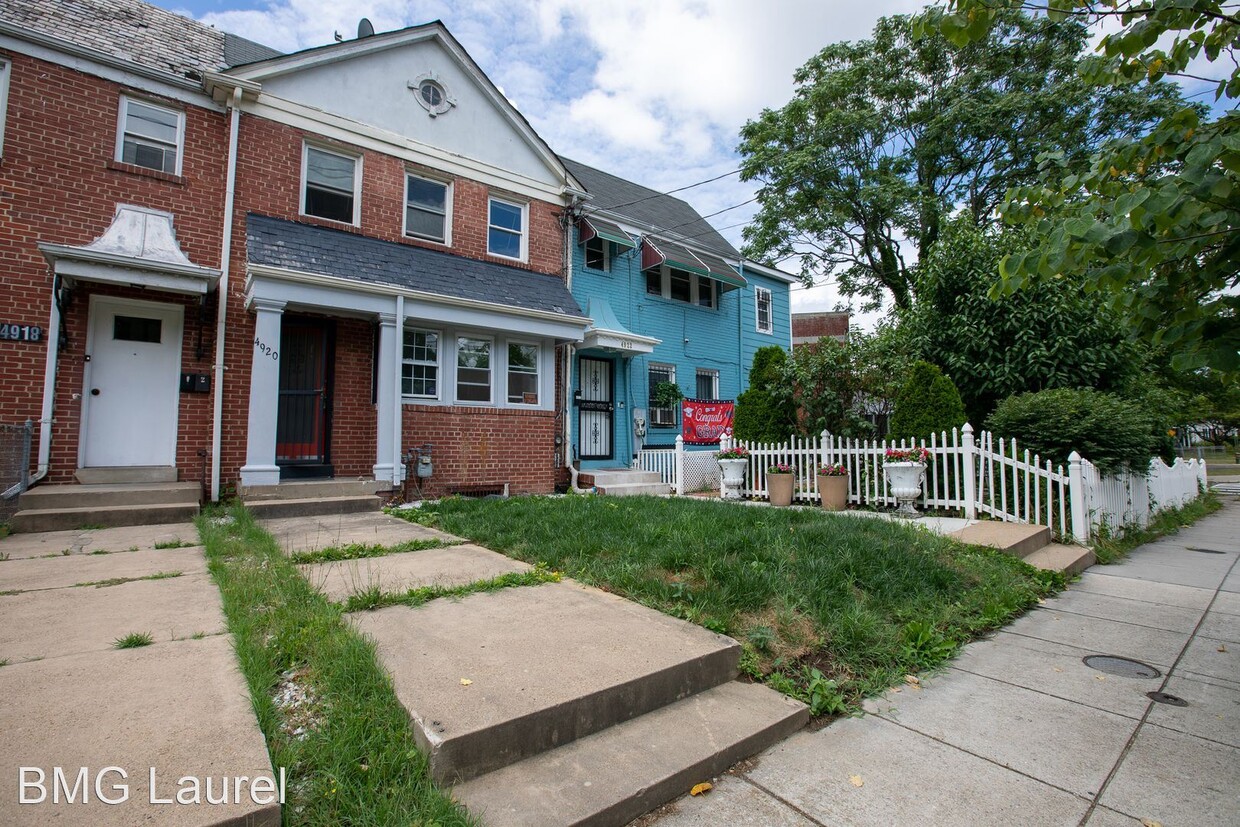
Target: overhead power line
column 669, row 192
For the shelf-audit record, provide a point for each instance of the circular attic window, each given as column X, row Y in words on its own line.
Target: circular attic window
column 431, row 94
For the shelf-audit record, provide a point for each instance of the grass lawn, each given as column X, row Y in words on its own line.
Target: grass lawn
column 325, row 705
column 828, row 608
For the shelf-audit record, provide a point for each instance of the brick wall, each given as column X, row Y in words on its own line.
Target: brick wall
column 60, row 184
column 269, row 183
column 483, row 446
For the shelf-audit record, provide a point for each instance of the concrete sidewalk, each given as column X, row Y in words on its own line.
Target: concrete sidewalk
column 1019, row 730
column 72, row 701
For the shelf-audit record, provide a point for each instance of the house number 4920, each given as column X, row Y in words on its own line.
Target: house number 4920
column 266, row 350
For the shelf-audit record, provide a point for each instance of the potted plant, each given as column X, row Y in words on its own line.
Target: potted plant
column 833, row 487
column 666, row 395
column 779, row 483
column 732, row 464
column 904, row 470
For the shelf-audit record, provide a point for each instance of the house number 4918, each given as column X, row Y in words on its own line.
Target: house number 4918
column 21, row 333
column 266, row 350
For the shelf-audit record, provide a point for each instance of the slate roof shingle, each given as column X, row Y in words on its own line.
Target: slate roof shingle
column 136, row 31
column 277, row 242
column 657, row 212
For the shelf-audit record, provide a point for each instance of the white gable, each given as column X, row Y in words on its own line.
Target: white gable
column 374, row 88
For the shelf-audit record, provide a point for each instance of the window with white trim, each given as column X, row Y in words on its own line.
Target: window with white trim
column 705, row 292
column 762, row 307
column 707, row 384
column 506, row 229
column 522, row 373
column 5, row 71
column 419, row 367
column 330, row 185
column 661, row 416
column 473, row 369
column 427, row 209
column 598, row 256
column 150, row 136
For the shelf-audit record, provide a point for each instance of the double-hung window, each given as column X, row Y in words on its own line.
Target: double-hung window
column 707, row 384
column 331, row 185
column 426, row 209
column 150, row 136
column 762, row 303
column 419, row 368
column 506, row 229
column 661, row 416
column 522, row 374
column 473, row 369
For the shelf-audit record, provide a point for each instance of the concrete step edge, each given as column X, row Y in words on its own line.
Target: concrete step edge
column 1065, row 558
column 507, row 742
column 634, row 488
column 306, row 507
column 78, row 496
column 61, row 519
column 613, row 776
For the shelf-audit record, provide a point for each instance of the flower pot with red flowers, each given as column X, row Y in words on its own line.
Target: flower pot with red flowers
column 780, row 479
column 833, row 487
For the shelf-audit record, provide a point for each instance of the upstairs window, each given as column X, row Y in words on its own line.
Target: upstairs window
column 506, row 229
column 331, row 185
column 705, row 292
column 762, row 302
column 150, row 136
column 426, row 209
column 597, row 255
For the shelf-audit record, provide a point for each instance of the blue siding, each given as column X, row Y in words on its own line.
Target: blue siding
column 692, row 337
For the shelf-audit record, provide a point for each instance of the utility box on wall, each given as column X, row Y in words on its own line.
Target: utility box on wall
column 195, row 383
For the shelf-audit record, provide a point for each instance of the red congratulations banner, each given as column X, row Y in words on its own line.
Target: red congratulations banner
column 704, row 420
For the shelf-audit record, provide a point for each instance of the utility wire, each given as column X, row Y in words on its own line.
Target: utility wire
column 669, row 192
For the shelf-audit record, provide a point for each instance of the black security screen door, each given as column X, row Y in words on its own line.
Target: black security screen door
column 596, row 409
column 303, row 421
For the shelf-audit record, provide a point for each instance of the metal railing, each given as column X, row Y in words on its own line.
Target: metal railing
column 14, row 464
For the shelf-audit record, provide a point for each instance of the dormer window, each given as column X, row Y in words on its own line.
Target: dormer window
column 150, row 136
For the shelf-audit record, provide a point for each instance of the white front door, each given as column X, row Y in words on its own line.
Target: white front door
column 131, row 383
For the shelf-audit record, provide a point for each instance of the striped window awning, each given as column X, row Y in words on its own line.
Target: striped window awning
column 594, row 227
column 656, row 251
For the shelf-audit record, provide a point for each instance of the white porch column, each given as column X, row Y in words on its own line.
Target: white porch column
column 260, row 450
column 385, row 430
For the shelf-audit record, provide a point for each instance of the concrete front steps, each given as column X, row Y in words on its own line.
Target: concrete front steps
column 1031, row 543
column 309, row 498
column 624, row 482
column 67, row 507
column 561, row 704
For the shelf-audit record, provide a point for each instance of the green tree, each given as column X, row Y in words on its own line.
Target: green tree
column 1053, row 335
column 928, row 404
column 827, row 383
column 1152, row 221
column 765, row 412
column 884, row 137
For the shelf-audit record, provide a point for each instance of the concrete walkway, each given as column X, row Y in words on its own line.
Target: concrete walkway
column 72, row 701
column 1019, row 730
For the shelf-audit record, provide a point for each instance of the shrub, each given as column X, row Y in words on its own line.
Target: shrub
column 1110, row 432
column 765, row 412
column 927, row 404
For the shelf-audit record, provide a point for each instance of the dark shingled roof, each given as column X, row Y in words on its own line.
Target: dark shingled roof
column 137, row 32
column 329, row 252
column 657, row 212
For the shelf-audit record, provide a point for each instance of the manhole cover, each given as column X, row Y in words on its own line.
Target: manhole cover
column 1164, row 698
column 1123, row 667
column 1205, row 550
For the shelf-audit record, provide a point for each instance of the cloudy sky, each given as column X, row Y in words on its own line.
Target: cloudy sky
column 652, row 90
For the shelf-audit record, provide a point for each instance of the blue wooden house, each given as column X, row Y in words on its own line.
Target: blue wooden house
column 670, row 300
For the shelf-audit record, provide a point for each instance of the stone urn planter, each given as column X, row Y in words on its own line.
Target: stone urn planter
column 833, row 487
column 733, row 470
column 779, row 484
column 904, row 481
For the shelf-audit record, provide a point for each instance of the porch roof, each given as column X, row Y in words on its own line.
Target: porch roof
column 277, row 242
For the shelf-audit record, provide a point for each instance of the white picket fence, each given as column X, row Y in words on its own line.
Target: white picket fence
column 973, row 475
